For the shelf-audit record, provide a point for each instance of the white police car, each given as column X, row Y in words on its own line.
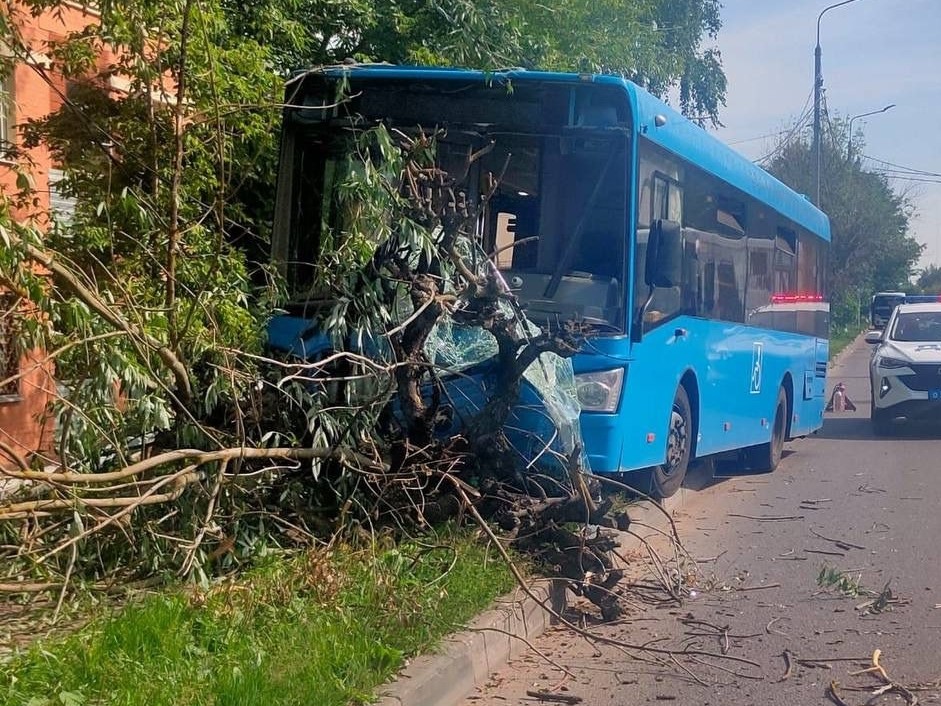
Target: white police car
column 905, row 370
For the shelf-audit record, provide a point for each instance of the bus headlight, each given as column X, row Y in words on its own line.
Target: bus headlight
column 600, row 391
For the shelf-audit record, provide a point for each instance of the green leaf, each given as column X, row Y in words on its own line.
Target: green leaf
column 23, row 181
column 71, row 698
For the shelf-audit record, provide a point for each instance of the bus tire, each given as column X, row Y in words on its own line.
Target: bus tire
column 667, row 478
column 765, row 458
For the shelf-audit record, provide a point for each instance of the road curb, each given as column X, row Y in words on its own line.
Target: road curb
column 465, row 660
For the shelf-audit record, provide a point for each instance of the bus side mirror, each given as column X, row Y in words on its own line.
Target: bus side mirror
column 664, row 263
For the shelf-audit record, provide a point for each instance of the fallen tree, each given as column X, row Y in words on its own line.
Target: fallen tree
column 182, row 446
column 135, row 502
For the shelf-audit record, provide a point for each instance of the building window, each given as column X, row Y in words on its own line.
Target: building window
column 6, row 117
column 9, row 355
column 61, row 205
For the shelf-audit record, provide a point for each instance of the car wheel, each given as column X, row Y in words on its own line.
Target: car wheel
column 764, row 458
column 667, row 478
column 880, row 420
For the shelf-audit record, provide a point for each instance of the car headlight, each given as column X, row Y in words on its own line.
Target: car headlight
column 600, row 391
column 892, row 363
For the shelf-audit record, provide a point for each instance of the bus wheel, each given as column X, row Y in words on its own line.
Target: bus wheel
column 667, row 478
column 766, row 457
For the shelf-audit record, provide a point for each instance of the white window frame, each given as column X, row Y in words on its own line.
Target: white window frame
column 61, row 207
column 7, row 118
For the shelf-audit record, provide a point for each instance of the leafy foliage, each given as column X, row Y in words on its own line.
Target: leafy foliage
column 153, row 319
column 150, row 307
column 871, row 247
column 840, row 581
column 657, row 43
column 929, row 280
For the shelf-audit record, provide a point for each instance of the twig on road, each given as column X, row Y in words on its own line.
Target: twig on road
column 556, row 698
column 787, row 664
column 521, row 581
column 530, row 645
column 841, row 543
column 824, row 551
column 834, row 695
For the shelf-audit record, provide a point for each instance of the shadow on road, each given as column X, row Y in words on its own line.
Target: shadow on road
column 710, row 472
column 859, row 429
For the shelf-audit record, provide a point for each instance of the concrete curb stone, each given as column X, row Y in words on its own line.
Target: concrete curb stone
column 466, row 659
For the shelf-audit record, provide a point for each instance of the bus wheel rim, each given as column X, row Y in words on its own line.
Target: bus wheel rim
column 676, row 441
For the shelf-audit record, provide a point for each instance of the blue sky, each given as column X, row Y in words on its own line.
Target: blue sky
column 874, row 52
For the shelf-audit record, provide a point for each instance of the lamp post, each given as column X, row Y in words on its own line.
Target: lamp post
column 818, row 86
column 849, row 146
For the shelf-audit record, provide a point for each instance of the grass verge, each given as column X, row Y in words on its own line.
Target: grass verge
column 325, row 628
column 841, row 337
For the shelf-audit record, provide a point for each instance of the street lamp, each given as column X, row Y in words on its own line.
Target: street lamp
column 849, row 146
column 818, row 86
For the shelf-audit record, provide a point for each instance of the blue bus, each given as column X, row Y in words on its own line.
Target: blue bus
column 701, row 278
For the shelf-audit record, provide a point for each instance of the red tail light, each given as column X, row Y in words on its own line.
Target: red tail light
column 795, row 298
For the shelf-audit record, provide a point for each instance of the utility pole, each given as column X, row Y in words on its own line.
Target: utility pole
column 818, row 89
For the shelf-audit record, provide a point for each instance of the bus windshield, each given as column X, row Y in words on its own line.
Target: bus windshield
column 545, row 165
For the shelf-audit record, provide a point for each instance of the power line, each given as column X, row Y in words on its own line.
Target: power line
column 760, row 137
column 900, row 167
column 799, row 125
column 922, row 180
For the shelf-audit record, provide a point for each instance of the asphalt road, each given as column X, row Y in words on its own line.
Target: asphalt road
column 866, row 509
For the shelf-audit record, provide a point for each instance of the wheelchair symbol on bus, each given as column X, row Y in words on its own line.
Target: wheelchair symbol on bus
column 756, row 358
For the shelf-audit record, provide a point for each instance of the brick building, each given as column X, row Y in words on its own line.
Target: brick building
column 31, row 91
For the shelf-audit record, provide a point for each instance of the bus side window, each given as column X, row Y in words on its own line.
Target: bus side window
column 709, row 288
column 667, row 199
column 667, row 302
column 785, row 261
column 660, row 197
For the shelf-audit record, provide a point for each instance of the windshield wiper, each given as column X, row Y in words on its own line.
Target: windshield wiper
column 566, row 262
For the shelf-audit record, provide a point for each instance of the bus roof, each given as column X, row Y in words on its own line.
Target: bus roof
column 677, row 134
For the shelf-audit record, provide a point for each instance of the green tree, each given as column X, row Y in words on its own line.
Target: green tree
column 929, row 280
column 657, row 43
column 146, row 305
column 140, row 299
column 871, row 247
